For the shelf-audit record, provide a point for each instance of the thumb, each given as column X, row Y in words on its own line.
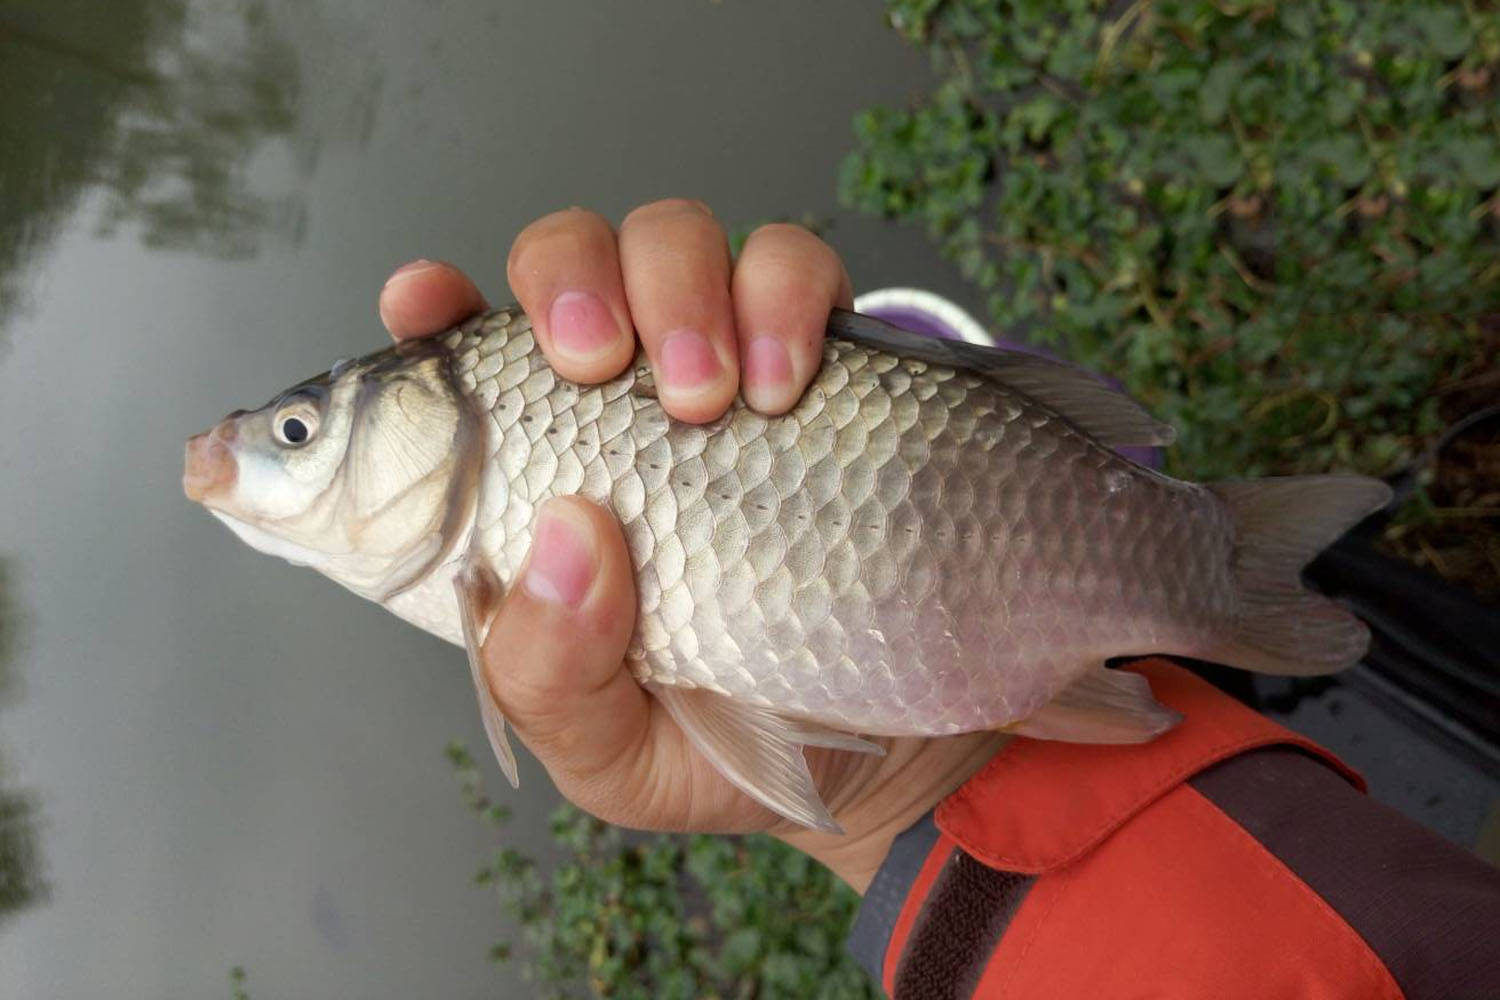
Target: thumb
column 555, row 653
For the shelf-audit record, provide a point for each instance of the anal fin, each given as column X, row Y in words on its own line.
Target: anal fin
column 1102, row 706
column 759, row 751
column 478, row 590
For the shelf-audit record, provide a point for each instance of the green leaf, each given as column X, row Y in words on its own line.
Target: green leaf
column 1218, row 90
column 1446, row 28
column 1345, row 155
column 1217, row 158
column 1478, row 159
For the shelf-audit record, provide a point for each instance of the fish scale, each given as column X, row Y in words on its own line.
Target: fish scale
column 913, row 549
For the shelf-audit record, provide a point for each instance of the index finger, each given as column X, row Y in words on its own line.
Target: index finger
column 426, row 297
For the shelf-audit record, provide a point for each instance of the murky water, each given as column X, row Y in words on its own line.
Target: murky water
column 209, row 758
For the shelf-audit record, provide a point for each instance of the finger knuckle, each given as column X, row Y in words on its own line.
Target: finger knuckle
column 786, row 231
column 788, row 280
column 572, row 232
column 546, row 225
column 795, row 255
column 666, row 208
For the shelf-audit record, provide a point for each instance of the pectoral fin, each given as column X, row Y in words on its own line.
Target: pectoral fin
column 1103, row 706
column 759, row 751
column 479, row 591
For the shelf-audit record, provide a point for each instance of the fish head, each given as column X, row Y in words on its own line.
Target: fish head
column 364, row 472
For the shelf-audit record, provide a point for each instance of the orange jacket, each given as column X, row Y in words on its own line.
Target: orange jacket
column 1230, row 858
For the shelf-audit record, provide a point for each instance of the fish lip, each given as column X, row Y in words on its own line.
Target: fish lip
column 209, row 468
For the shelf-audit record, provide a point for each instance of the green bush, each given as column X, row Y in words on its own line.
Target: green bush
column 670, row 917
column 1276, row 222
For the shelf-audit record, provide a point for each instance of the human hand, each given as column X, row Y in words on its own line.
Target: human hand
column 554, row 656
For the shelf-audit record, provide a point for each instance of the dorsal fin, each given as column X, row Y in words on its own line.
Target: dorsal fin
column 1097, row 409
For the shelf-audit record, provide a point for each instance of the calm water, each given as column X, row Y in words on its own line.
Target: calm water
column 210, row 758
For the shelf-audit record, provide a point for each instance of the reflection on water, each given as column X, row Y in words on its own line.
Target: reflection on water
column 147, row 115
column 159, row 112
column 20, row 868
column 158, row 109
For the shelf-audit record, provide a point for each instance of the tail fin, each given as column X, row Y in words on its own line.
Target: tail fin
column 1283, row 628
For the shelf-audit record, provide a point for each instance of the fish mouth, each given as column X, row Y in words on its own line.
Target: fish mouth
column 209, row 468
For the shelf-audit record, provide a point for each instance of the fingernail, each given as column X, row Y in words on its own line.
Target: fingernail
column 562, row 567
column 768, row 372
column 582, row 326
column 688, row 360
column 414, row 267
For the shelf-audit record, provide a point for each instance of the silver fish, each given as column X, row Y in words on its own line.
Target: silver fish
column 938, row 539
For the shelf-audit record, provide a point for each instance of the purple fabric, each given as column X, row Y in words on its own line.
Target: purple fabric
column 917, row 321
column 930, row 325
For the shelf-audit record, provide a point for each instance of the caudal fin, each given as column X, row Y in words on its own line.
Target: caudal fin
column 1283, row 628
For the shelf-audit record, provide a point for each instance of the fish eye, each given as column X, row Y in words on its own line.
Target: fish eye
column 294, row 430
column 295, row 424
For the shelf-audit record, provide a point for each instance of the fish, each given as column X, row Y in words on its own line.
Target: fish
column 939, row 538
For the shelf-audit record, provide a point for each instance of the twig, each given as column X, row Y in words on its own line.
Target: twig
column 1250, row 280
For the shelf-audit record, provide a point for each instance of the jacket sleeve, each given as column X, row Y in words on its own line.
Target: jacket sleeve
column 1263, row 872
